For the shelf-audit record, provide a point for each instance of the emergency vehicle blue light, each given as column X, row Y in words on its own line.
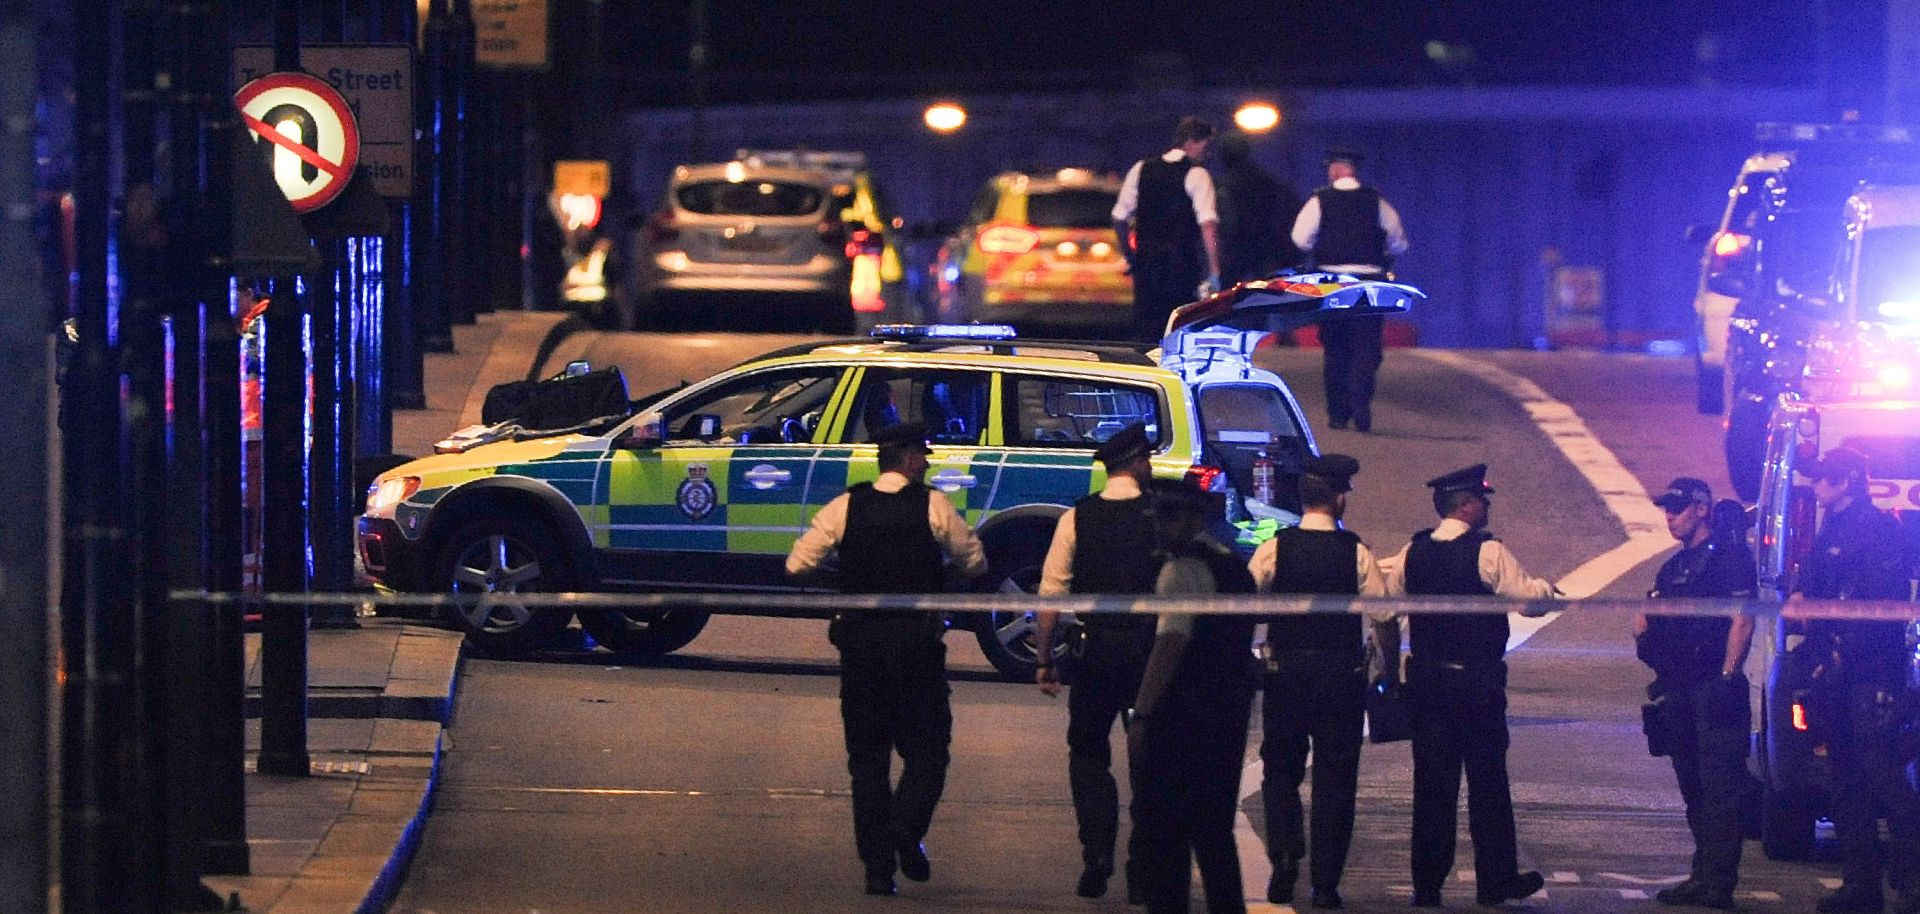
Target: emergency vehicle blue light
column 942, row 332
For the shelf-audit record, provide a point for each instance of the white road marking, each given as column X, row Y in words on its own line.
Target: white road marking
column 1633, row 895
column 1829, row 883
column 1758, row 896
column 1623, row 494
column 1643, row 880
column 1564, row 877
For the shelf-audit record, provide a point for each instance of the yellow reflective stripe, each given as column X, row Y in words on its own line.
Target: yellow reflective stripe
column 838, row 406
column 996, row 415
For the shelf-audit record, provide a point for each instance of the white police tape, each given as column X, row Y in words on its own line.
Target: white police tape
column 821, row 605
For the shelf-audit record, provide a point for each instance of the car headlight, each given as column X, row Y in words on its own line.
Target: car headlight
column 389, row 492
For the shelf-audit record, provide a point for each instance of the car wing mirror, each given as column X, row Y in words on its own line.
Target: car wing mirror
column 645, row 432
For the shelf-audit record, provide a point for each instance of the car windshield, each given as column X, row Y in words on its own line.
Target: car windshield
column 1077, row 208
column 750, row 198
column 1889, row 272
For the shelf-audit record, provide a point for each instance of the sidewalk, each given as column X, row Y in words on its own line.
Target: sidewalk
column 379, row 697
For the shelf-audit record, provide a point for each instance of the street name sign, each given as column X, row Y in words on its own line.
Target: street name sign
column 376, row 80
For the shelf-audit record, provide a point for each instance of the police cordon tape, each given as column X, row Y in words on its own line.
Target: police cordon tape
column 821, row 605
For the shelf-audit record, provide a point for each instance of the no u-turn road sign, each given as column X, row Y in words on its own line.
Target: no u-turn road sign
column 316, row 140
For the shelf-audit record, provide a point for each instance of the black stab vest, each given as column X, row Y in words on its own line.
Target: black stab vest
column 1452, row 567
column 889, row 545
column 1164, row 224
column 1350, row 229
column 1113, row 553
column 1316, row 562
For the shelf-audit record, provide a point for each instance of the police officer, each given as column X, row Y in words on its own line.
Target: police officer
column 1699, row 691
column 894, row 535
column 1856, row 556
column 1347, row 227
column 1315, row 682
column 1102, row 545
column 1457, row 687
column 1187, row 729
column 1166, row 205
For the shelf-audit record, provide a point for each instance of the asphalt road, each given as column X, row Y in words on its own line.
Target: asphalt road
column 714, row 781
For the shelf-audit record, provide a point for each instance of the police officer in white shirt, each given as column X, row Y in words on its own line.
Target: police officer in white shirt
column 1348, row 227
column 1166, row 205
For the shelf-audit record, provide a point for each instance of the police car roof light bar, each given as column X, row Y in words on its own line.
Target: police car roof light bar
column 942, row 332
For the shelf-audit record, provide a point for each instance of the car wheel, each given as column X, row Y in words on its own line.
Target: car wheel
column 500, row 556
column 1007, row 638
column 643, row 633
column 1786, row 827
column 1746, row 444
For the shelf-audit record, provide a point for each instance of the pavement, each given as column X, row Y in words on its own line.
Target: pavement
column 380, row 696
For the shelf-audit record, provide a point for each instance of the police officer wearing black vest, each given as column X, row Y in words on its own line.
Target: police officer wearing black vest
column 1187, row 729
column 1457, row 686
column 893, row 535
column 1856, row 556
column 1700, row 704
column 1315, row 682
column 1347, row 227
column 1167, row 206
column 1102, row 545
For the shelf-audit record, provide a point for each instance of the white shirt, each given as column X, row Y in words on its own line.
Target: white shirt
column 830, row 525
column 1265, row 558
column 1199, row 185
column 1306, row 231
column 1056, row 573
column 1500, row 570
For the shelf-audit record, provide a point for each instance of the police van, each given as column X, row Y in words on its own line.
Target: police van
column 707, row 487
column 1789, row 751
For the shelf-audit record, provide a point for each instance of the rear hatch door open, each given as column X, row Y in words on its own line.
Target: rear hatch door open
column 1224, row 328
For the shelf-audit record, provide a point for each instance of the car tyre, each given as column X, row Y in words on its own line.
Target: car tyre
column 641, row 633
column 1786, row 827
column 1006, row 638
column 500, row 555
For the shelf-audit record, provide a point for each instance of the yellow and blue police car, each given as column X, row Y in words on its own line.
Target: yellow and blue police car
column 706, row 487
column 1037, row 246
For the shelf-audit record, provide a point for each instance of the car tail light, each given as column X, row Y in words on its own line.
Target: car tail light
column 662, row 229
column 1008, row 239
column 1728, row 244
column 1204, row 476
column 1800, row 716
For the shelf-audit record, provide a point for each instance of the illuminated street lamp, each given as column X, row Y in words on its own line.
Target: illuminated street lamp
column 945, row 117
column 1256, row 117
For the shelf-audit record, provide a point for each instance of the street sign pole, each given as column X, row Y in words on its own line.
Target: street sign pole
column 283, row 639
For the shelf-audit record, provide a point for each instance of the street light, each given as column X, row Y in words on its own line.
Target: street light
column 945, row 117
column 1256, row 117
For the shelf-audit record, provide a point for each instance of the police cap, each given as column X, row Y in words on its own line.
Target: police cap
column 1843, row 463
column 1336, row 469
column 1127, row 444
column 1684, row 492
column 903, row 436
column 1346, row 154
column 1472, row 479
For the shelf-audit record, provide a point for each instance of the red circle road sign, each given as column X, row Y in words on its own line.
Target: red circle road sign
column 315, row 137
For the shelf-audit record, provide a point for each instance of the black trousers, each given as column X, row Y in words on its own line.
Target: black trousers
column 1161, row 284
column 1353, row 353
column 1315, row 702
column 1188, row 794
column 1870, row 781
column 894, row 698
column 1708, row 723
column 1460, row 724
column 1106, row 678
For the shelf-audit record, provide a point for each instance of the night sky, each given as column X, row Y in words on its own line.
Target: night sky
column 808, row 49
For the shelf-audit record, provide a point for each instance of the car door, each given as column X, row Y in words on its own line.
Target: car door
column 1053, row 424
column 718, row 501
column 955, row 405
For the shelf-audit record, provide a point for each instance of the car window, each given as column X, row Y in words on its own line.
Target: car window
column 750, row 198
column 1076, row 413
column 765, row 408
column 1889, row 269
column 953, row 404
column 1072, row 208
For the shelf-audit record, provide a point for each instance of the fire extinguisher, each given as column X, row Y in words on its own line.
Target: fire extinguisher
column 1263, row 478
